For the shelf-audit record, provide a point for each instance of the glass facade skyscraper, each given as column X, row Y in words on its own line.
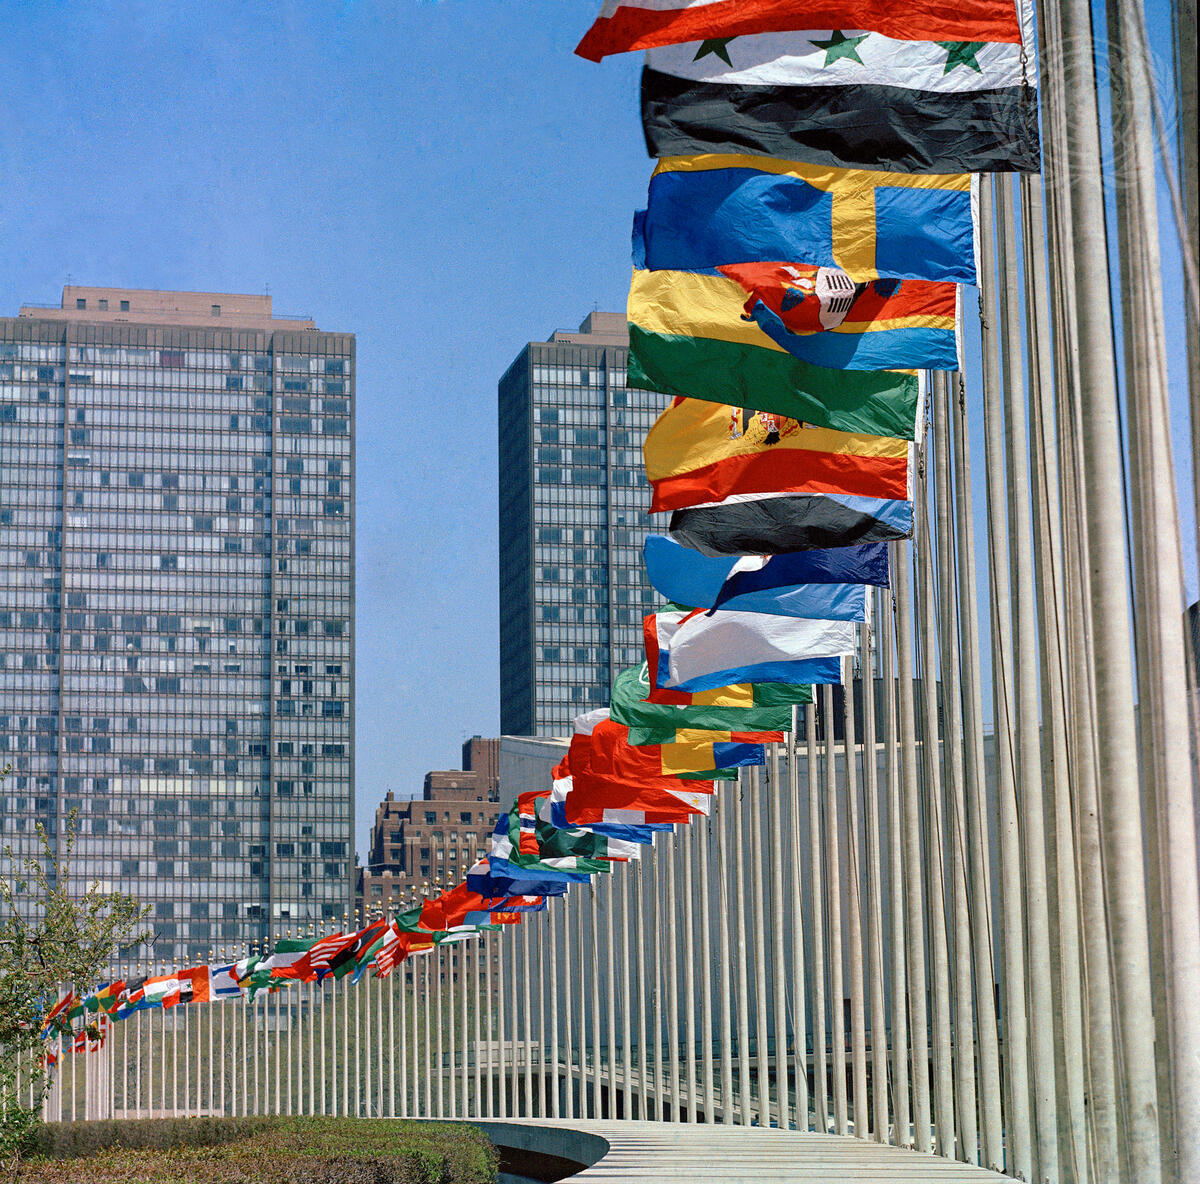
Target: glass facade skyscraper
column 573, row 498
column 176, row 636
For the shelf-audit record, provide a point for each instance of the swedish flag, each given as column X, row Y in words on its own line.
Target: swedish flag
column 709, row 211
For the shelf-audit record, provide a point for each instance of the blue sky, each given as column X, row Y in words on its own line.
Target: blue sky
column 444, row 179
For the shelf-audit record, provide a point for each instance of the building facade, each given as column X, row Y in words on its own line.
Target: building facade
column 176, row 638
column 573, row 499
column 418, row 844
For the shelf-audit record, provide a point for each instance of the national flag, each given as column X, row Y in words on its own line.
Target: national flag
column 600, row 748
column 505, row 846
column 630, row 706
column 292, row 959
column 164, row 990
column 699, row 452
column 495, row 877
column 849, row 98
column 345, row 958
column 223, row 980
column 755, row 524
column 830, row 584
column 689, row 335
column 820, row 315
column 626, row 25
column 696, row 650
column 106, row 998
column 593, row 800
column 449, row 908
column 326, row 947
column 56, row 1017
column 709, row 211
column 398, row 947
column 195, row 985
column 558, row 841
column 554, row 811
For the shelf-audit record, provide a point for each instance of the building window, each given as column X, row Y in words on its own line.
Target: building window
column 103, row 305
column 124, row 305
column 216, row 310
column 81, row 303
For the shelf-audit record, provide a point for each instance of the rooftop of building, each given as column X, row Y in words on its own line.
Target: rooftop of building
column 598, row 328
column 152, row 306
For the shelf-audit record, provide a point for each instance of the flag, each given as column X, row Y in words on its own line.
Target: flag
column 688, row 336
column 495, row 877
column 695, row 650
column 707, row 211
column 682, row 750
column 849, row 98
column 505, row 846
column 600, row 748
column 593, row 800
column 223, row 981
column 325, row 948
column 830, row 584
column 106, row 998
column 56, row 1017
column 820, row 315
column 554, row 810
column 774, row 523
column 292, row 959
column 342, row 958
column 699, row 452
column 631, row 707
column 625, row 25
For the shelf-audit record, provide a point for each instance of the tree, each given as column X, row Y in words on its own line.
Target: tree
column 48, row 938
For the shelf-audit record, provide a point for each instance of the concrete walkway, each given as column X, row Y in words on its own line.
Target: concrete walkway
column 663, row 1152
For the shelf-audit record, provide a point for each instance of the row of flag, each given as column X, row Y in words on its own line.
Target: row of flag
column 807, row 229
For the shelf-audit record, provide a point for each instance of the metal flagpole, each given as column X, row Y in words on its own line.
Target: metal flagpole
column 1112, row 658
column 815, row 830
column 901, row 1127
column 943, row 572
column 853, row 883
column 626, row 995
column 671, row 961
column 983, row 944
column 481, row 951
column 762, row 1048
column 489, row 1000
column 874, row 878
column 540, row 982
column 376, row 1047
column 656, row 994
column 743, row 985
column 567, row 978
column 527, row 1014
column 502, row 1110
column 774, row 850
column 833, row 904
column 724, row 806
column 428, row 961
column 1019, row 1125
column 799, row 1014
column 1026, row 695
column 552, row 918
column 391, row 1040
column 689, row 967
column 640, row 929
column 704, row 836
column 437, row 957
column 594, row 930
column 910, row 811
column 610, row 1017
column 451, row 1018
column 943, row 1039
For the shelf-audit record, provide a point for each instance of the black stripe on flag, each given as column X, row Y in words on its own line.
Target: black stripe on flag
column 858, row 125
column 773, row 525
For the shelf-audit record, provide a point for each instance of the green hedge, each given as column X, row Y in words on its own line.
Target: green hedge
column 266, row 1150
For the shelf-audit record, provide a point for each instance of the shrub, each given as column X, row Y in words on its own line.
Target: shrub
column 263, row 1150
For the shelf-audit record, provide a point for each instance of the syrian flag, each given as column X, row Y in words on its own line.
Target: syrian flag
column 849, row 98
column 625, row 25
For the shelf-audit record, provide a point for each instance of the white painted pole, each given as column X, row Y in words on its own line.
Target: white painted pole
column 502, row 982
column 853, row 885
column 610, row 955
column 527, row 1029
column 833, row 905
column 687, row 843
column 594, row 930
column 567, row 977
column 758, row 844
column 490, row 1110
column 724, row 806
column 704, row 837
column 741, row 907
column 818, row 962
column 643, row 998
column 799, row 995
column 451, row 988
column 774, row 848
column 622, row 870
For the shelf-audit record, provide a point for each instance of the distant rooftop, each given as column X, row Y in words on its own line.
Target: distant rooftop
column 229, row 310
column 598, row 328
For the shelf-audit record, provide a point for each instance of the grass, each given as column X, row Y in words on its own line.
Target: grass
column 260, row 1151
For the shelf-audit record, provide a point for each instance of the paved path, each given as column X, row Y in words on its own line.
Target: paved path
column 664, row 1152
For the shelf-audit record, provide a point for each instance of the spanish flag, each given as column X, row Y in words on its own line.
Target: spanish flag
column 699, row 452
column 709, row 211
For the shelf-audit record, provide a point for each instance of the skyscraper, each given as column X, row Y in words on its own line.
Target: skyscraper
column 176, row 654
column 573, row 497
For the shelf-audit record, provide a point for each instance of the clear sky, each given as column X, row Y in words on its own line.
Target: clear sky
column 444, row 179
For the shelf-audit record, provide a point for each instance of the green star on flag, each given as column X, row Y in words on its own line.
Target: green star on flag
column 715, row 45
column 841, row 46
column 962, row 53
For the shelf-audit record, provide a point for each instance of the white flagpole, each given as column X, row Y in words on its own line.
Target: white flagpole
column 452, row 1017
column 689, row 967
column 594, row 929
column 640, row 931
column 480, row 951
column 489, row 1110
column 706, row 1010
column 743, row 956
column 502, row 1096
column 799, row 995
column 774, row 848
column 391, row 1041
column 725, row 805
column 610, row 1035
column 758, row 920
column 526, row 1017
column 833, row 904
column 554, row 979
column 626, row 996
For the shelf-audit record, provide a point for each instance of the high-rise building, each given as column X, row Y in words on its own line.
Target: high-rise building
column 573, row 499
column 176, row 653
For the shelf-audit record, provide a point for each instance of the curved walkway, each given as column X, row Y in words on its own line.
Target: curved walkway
column 665, row 1152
